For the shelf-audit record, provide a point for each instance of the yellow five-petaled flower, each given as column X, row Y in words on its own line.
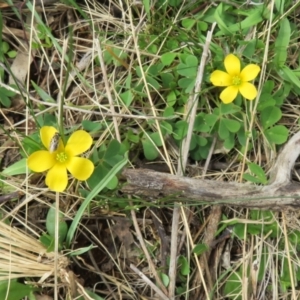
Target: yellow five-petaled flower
column 235, row 80
column 64, row 158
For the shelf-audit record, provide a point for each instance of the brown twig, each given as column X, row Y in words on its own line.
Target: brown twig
column 278, row 195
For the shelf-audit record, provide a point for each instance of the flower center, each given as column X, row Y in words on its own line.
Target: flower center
column 236, row 80
column 61, row 157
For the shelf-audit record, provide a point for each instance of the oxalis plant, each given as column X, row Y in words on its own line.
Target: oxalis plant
column 119, row 80
column 54, row 155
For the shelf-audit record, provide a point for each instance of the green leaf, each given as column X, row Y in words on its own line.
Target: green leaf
column 193, row 143
column 168, row 58
column 203, row 128
column 172, row 43
column 280, row 6
column 269, row 116
column 155, row 137
column 13, row 290
column 287, row 74
column 282, row 43
column 168, row 81
column 229, row 142
column 180, row 130
column 100, row 172
column 239, row 230
column 255, row 229
column 223, row 131
column 254, row 17
column 113, row 149
column 32, row 143
column 152, row 83
column 147, row 6
column 211, row 119
column 82, row 250
column 101, row 185
column 155, row 69
column 285, row 274
column 111, row 161
column 132, row 137
column 165, row 279
column 5, row 101
column 42, row 93
column 233, row 286
column 187, row 84
column 8, row 92
column 265, row 100
column 281, row 94
column 189, row 67
column 91, row 126
column 5, row 47
column 256, row 214
column 200, row 248
column 230, row 108
column 5, row 95
column 47, row 241
column 166, row 127
column 231, row 125
column 251, row 178
column 258, row 172
column 191, row 61
column 201, row 26
column 113, row 183
column 171, row 98
column 175, row 3
column 150, row 151
column 12, row 54
column 242, row 136
column 268, row 87
column 50, row 224
column 127, row 97
column 17, row 168
column 184, row 265
column 201, row 141
column 221, row 19
column 273, row 229
column 251, row 47
column 168, row 112
column 277, row 134
column 188, row 23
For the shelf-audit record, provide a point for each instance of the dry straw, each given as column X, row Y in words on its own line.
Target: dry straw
column 23, row 256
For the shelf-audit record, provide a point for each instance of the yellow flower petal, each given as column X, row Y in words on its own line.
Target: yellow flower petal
column 220, row 78
column 248, row 90
column 47, row 133
column 81, row 168
column 229, row 94
column 57, row 178
column 40, row 161
column 232, row 65
column 249, row 72
column 79, row 142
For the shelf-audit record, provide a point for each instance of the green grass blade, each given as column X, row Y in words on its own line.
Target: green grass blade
column 102, row 184
column 282, row 43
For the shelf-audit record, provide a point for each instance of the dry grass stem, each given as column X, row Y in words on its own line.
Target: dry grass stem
column 23, row 256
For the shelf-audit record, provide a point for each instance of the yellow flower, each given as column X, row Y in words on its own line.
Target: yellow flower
column 62, row 158
column 235, row 80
